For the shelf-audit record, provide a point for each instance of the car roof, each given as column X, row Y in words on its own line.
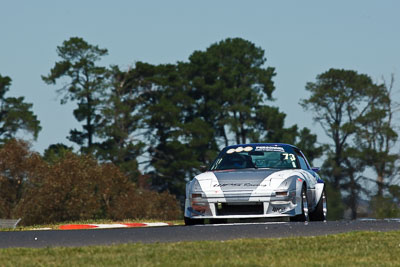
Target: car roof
column 263, row 144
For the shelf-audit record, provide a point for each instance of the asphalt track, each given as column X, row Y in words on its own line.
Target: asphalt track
column 76, row 238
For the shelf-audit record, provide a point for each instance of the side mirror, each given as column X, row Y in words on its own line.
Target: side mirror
column 316, row 169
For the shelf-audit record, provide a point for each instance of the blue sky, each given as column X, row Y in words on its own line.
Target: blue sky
column 301, row 39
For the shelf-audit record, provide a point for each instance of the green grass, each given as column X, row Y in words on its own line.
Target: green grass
column 350, row 249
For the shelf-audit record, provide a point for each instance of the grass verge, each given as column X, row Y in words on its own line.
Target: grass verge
column 350, row 249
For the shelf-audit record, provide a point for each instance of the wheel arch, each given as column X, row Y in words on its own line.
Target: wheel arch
column 319, row 188
column 300, row 183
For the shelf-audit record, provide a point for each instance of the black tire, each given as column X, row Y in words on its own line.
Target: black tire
column 321, row 211
column 189, row 221
column 303, row 217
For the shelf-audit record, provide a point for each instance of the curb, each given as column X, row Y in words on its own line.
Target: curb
column 109, row 226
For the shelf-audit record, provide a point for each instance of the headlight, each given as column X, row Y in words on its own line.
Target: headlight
column 199, row 205
column 196, row 186
column 281, row 194
column 198, row 201
column 288, row 184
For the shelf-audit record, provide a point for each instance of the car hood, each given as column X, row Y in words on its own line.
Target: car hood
column 242, row 180
column 246, row 178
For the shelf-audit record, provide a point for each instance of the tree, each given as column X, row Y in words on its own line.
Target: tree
column 339, row 99
column 85, row 85
column 17, row 163
column 56, row 152
column 231, row 88
column 218, row 97
column 121, row 120
column 15, row 114
column 376, row 138
column 170, row 127
column 194, row 105
column 231, row 85
column 308, row 144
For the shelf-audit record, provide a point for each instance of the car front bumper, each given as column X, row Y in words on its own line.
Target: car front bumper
column 242, row 205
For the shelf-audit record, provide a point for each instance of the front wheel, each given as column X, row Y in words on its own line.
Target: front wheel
column 190, row 221
column 303, row 217
column 321, row 211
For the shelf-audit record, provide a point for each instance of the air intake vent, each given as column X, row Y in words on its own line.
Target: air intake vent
column 255, row 208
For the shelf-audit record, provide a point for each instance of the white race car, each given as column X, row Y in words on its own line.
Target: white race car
column 256, row 181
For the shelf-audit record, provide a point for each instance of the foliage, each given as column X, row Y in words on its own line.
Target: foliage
column 121, row 120
column 86, row 84
column 78, row 188
column 308, row 144
column 376, row 138
column 56, row 152
column 339, row 98
column 384, row 207
column 217, row 98
column 145, row 204
column 230, row 78
column 72, row 187
column 66, row 190
column 15, row 114
column 174, row 117
column 335, row 203
column 342, row 102
column 387, row 206
column 17, row 163
column 178, row 143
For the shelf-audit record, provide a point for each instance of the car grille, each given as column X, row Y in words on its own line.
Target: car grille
column 239, row 209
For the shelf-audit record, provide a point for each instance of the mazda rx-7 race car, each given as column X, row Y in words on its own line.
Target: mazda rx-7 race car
column 256, row 181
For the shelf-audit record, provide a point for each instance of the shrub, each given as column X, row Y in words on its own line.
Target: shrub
column 62, row 191
column 73, row 187
column 145, row 204
column 385, row 207
column 17, row 162
column 79, row 188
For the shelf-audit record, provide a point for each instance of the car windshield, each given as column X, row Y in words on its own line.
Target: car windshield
column 275, row 157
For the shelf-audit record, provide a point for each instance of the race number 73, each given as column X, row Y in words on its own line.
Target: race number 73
column 289, row 156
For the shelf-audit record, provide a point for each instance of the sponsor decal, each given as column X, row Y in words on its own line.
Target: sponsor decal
column 279, row 210
column 239, row 184
column 270, row 148
column 239, row 149
column 230, row 151
column 248, row 148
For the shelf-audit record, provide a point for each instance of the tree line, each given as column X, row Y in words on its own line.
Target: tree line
column 161, row 124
